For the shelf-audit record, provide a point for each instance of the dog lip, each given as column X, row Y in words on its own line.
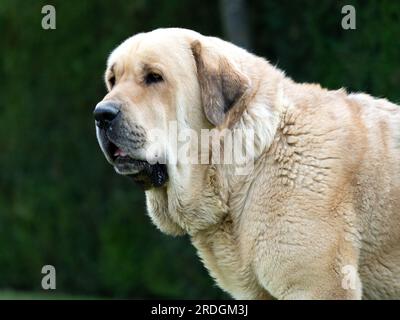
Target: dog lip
column 144, row 173
column 106, row 146
column 126, row 165
column 111, row 149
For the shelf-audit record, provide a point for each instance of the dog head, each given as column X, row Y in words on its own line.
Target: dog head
column 158, row 78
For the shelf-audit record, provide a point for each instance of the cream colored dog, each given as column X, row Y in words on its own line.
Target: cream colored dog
column 317, row 217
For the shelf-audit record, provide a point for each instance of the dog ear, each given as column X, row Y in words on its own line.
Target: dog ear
column 221, row 84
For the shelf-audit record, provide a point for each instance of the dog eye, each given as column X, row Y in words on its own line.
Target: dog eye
column 111, row 80
column 153, row 78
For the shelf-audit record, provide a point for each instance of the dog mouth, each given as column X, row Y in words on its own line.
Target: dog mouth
column 144, row 173
column 123, row 163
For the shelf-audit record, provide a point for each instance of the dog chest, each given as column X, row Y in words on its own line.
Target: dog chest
column 227, row 264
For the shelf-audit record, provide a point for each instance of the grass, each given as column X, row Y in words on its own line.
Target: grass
column 45, row 295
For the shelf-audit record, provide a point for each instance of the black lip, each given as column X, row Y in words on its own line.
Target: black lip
column 152, row 176
column 111, row 150
column 149, row 175
column 128, row 164
column 107, row 146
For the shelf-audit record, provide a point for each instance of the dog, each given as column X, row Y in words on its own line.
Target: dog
column 316, row 216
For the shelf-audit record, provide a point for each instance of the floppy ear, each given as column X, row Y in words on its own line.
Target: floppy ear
column 221, row 84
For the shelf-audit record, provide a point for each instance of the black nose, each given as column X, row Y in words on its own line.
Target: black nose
column 105, row 112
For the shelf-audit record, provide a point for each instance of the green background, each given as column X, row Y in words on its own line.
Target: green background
column 62, row 204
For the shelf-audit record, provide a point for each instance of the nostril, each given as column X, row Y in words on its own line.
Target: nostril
column 105, row 112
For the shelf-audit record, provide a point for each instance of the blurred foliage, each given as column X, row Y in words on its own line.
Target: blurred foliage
column 61, row 204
